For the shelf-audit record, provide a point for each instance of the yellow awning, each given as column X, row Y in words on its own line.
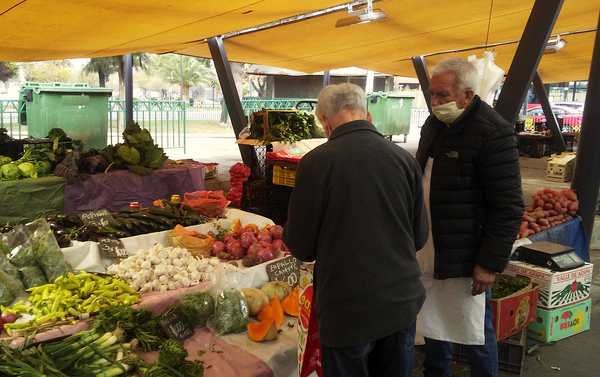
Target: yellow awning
column 34, row 30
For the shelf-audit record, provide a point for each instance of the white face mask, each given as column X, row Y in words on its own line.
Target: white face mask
column 447, row 112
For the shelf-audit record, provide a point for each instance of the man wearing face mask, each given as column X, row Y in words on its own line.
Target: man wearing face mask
column 472, row 181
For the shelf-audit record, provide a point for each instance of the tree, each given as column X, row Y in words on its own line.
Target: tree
column 195, row 71
column 8, row 71
column 103, row 67
column 48, row 71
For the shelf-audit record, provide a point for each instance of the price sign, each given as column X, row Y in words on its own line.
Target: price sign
column 176, row 326
column 98, row 218
column 286, row 269
column 112, row 247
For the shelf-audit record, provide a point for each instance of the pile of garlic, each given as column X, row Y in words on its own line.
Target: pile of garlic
column 167, row 268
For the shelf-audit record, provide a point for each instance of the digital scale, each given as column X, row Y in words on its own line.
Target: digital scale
column 550, row 255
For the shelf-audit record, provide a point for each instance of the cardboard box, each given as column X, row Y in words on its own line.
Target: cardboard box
column 515, row 312
column 560, row 167
column 560, row 323
column 556, row 288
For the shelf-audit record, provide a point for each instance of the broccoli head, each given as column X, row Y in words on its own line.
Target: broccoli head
column 172, row 353
column 192, row 368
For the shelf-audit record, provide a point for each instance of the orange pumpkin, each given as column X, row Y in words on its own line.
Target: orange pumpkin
column 264, row 330
column 291, row 304
column 273, row 310
column 235, row 226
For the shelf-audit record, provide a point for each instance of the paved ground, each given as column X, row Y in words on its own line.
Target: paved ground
column 575, row 356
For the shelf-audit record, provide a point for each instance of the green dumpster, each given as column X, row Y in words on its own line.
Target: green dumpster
column 391, row 113
column 80, row 110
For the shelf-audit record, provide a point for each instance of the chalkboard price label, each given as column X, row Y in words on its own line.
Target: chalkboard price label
column 176, row 326
column 286, row 269
column 98, row 218
column 112, row 247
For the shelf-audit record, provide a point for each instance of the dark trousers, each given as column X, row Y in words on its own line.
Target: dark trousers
column 391, row 356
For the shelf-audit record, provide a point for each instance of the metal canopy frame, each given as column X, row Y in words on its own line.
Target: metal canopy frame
column 551, row 122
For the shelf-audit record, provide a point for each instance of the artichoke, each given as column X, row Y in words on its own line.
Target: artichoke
column 192, row 368
column 157, row 371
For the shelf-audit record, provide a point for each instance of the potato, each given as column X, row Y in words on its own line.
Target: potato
column 251, row 260
column 255, row 299
column 281, row 288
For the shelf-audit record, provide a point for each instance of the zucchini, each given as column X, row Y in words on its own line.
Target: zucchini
column 161, row 220
column 142, row 215
column 127, row 211
column 118, row 233
column 126, row 225
column 115, row 225
column 160, row 212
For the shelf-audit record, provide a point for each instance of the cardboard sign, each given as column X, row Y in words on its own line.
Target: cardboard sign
column 98, row 218
column 112, row 247
column 176, row 326
column 286, row 269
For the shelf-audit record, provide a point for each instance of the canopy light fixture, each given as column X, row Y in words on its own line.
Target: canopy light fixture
column 361, row 16
column 554, row 45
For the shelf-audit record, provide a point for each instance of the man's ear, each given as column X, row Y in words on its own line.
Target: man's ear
column 469, row 94
column 369, row 117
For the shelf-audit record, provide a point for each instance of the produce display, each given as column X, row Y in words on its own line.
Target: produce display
column 286, row 126
column 249, row 244
column 506, row 287
column 271, row 315
column 163, row 268
column 549, row 208
column 69, row 295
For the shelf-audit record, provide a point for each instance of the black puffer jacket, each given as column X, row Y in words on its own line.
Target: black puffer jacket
column 476, row 200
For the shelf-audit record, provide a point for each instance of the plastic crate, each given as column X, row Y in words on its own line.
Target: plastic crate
column 256, row 197
column 284, row 176
column 511, row 352
column 40, row 143
column 280, row 198
column 11, row 149
column 258, row 168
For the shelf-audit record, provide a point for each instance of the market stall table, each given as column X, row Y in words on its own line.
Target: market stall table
column 115, row 190
column 26, row 199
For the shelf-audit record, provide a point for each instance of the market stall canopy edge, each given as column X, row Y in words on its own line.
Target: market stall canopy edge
column 36, row 30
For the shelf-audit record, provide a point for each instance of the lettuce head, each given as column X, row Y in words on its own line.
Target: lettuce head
column 10, row 172
column 27, row 170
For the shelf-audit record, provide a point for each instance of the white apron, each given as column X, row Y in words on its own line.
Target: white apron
column 449, row 313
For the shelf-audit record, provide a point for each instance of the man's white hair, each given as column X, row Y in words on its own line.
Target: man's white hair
column 465, row 72
column 334, row 98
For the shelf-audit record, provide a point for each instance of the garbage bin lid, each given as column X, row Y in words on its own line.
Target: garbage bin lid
column 78, row 88
column 389, row 95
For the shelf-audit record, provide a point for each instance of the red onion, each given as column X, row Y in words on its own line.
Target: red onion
column 229, row 236
column 275, row 250
column 249, row 228
column 217, row 247
column 276, row 231
column 236, row 249
column 279, row 243
column 264, row 244
column 266, row 255
column 247, row 239
column 264, row 235
column 9, row 317
column 255, row 248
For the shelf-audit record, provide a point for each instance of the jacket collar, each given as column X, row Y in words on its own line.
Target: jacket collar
column 355, row 125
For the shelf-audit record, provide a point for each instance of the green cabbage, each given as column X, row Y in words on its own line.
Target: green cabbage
column 43, row 167
column 10, row 172
column 27, row 170
column 5, row 160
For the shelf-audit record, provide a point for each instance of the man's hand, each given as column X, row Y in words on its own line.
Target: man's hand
column 482, row 279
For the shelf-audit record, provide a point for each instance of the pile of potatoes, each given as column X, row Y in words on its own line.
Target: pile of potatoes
column 549, row 208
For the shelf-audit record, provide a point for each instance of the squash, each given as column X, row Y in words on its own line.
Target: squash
column 264, row 330
column 255, row 299
column 291, row 304
column 273, row 310
column 235, row 226
column 281, row 288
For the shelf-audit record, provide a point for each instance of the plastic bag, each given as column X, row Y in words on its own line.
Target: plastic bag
column 8, row 267
column 231, row 311
column 244, row 133
column 209, row 203
column 32, row 276
column 196, row 243
column 198, row 306
column 9, row 288
column 49, row 255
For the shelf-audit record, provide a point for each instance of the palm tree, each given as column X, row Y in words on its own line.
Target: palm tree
column 103, row 67
column 195, row 71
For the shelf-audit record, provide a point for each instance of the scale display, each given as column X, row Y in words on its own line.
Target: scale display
column 550, row 255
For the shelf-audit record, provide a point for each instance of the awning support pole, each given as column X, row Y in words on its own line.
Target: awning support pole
column 586, row 177
column 230, row 95
column 551, row 122
column 326, row 78
column 128, row 87
column 525, row 62
column 423, row 75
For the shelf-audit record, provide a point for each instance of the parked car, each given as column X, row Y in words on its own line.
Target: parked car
column 568, row 117
column 558, row 110
column 576, row 105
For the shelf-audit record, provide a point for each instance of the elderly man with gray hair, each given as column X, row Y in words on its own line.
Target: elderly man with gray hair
column 472, row 182
column 357, row 209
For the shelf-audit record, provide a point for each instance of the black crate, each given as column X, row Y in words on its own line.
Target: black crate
column 256, row 197
column 511, row 352
column 280, row 198
column 46, row 143
column 11, row 149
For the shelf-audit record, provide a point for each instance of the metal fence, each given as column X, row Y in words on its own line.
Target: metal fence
column 10, row 111
column 165, row 120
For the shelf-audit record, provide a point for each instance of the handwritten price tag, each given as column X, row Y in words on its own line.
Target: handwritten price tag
column 112, row 247
column 286, row 269
column 98, row 218
column 176, row 326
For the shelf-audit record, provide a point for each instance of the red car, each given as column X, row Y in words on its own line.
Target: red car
column 568, row 116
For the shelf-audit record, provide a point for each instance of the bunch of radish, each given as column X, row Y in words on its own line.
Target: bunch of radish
column 549, row 208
